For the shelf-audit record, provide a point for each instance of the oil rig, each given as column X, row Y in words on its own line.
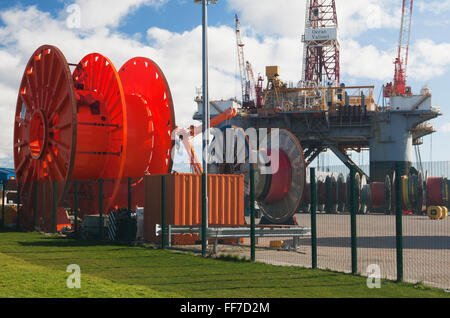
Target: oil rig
column 322, row 113
column 86, row 135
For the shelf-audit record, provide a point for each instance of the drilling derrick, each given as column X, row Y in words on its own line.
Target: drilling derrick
column 321, row 53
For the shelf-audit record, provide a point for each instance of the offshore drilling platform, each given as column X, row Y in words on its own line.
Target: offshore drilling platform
column 322, row 113
column 94, row 122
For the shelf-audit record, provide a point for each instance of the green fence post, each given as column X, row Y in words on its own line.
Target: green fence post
column 163, row 212
column 353, row 212
column 129, row 212
column 252, row 214
column 3, row 202
column 398, row 221
column 18, row 206
column 54, row 208
column 313, row 195
column 100, row 212
column 35, row 205
column 204, row 215
column 75, row 222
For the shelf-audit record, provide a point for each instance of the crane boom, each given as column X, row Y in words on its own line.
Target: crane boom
column 242, row 67
column 251, row 90
column 401, row 62
column 185, row 136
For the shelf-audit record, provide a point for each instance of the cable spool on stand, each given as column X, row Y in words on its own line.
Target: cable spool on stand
column 341, row 193
column 280, row 174
column 447, row 189
column 93, row 124
column 381, row 195
column 364, row 195
column 281, row 201
column 437, row 191
column 416, row 193
column 321, row 189
column 348, row 191
column 405, row 204
column 305, row 205
column 331, row 195
column 366, row 204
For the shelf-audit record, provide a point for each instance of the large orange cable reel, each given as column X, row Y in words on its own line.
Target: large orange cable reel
column 96, row 123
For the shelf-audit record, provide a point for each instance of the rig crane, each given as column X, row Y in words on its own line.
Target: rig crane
column 186, row 135
column 401, row 62
column 251, row 91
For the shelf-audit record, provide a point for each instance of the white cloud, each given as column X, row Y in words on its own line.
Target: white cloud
column 445, row 128
column 366, row 62
column 281, row 17
column 178, row 54
column 8, row 99
column 278, row 25
column 112, row 11
column 287, row 17
column 435, row 7
column 356, row 17
column 429, row 59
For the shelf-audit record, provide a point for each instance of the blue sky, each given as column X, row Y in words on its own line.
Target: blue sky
column 169, row 32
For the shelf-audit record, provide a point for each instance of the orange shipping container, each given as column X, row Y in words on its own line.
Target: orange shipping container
column 184, row 202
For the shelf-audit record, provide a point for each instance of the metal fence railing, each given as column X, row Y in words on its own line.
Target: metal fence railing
column 434, row 169
column 413, row 248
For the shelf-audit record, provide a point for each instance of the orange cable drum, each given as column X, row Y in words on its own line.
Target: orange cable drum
column 96, row 123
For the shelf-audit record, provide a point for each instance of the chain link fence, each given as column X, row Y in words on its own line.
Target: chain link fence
column 413, row 248
column 397, row 246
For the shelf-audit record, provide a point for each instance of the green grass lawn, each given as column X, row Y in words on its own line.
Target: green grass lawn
column 33, row 265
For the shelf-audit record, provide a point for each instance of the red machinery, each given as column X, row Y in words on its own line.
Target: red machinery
column 186, row 135
column 94, row 123
column 401, row 62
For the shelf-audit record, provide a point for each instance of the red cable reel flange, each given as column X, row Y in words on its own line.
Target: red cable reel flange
column 287, row 184
column 436, row 191
column 89, row 125
column 381, row 195
column 331, row 194
column 341, row 193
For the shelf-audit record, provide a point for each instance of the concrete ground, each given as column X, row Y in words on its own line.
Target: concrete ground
column 426, row 244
